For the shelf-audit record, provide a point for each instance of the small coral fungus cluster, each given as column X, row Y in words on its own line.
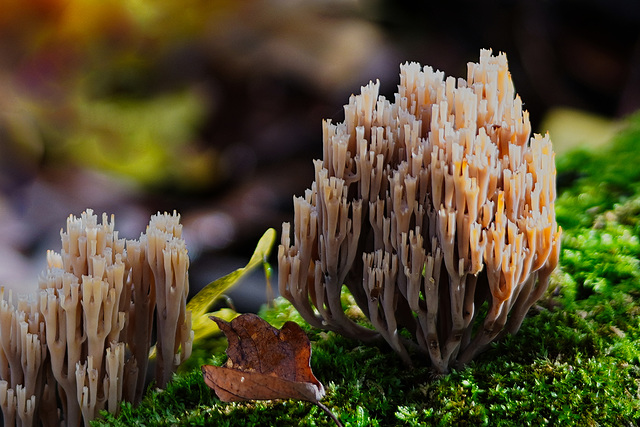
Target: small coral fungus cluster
column 82, row 344
column 435, row 209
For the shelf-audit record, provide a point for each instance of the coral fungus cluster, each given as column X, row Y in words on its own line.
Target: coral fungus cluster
column 82, row 344
column 435, row 209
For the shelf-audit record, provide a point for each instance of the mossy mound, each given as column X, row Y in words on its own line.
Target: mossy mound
column 575, row 360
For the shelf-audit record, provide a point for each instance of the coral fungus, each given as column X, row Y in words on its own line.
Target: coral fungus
column 435, row 210
column 84, row 342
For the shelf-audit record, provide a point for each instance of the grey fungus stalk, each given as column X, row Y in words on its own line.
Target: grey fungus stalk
column 84, row 342
column 427, row 207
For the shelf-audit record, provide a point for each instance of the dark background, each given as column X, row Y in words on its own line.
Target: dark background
column 214, row 108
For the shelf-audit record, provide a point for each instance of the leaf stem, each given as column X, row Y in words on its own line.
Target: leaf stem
column 329, row 413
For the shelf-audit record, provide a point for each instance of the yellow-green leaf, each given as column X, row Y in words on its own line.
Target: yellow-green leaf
column 203, row 300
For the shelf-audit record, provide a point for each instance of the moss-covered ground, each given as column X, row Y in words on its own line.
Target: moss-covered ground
column 575, row 361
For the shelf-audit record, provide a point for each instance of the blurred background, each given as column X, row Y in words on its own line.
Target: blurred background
column 214, row 107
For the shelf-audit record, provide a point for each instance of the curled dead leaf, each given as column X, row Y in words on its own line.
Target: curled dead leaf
column 264, row 363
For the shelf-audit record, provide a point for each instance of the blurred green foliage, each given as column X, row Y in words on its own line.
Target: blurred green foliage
column 98, row 83
column 148, row 141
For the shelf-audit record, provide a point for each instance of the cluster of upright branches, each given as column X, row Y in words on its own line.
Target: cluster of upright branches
column 435, row 209
column 82, row 344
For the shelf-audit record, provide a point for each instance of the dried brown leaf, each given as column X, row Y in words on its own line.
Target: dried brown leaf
column 264, row 363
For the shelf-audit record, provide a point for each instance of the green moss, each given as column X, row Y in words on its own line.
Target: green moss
column 575, row 360
column 590, row 183
column 563, row 368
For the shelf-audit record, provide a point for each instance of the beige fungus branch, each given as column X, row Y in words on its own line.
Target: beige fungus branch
column 426, row 207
